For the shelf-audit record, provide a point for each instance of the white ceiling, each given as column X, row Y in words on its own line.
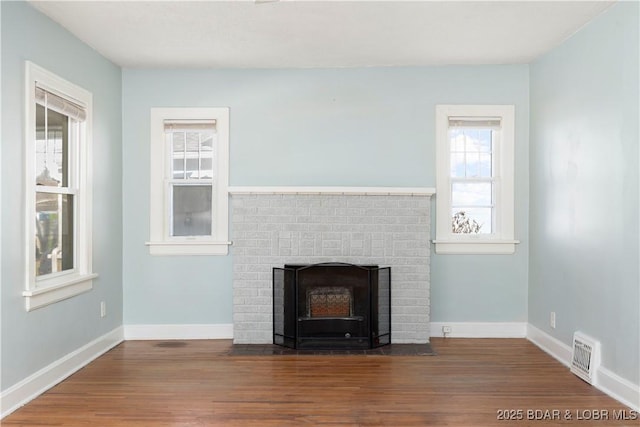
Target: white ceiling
column 304, row 34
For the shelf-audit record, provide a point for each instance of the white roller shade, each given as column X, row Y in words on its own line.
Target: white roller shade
column 189, row 125
column 60, row 105
column 475, row 122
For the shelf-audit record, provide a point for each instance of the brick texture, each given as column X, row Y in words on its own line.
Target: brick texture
column 270, row 230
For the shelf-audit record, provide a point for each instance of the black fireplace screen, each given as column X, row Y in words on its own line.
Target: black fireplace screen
column 332, row 305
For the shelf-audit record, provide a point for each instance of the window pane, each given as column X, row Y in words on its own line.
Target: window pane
column 192, row 154
column 456, row 136
column 193, row 142
column 206, row 168
column 472, row 221
column 178, row 169
column 471, row 153
column 192, row 167
column 473, row 165
column 191, row 209
column 458, row 165
column 207, row 141
column 176, row 144
column 472, row 140
column 52, row 148
column 54, row 233
column 486, row 169
column 485, row 140
column 471, row 194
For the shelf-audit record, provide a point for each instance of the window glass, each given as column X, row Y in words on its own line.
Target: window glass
column 191, row 210
column 52, row 147
column 192, row 153
column 54, row 219
column 191, row 164
column 54, row 233
column 472, row 186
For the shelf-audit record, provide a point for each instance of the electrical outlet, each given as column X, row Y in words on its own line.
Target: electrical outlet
column 103, row 309
column 446, row 330
column 552, row 319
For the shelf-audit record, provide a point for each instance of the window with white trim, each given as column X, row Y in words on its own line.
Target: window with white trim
column 189, row 181
column 58, row 188
column 475, row 179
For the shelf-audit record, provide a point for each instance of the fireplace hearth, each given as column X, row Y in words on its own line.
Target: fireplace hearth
column 331, row 306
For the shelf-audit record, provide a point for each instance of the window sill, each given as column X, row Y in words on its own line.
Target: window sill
column 475, row 247
column 188, row 248
column 72, row 286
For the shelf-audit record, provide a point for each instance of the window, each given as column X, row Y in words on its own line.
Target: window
column 58, row 188
column 189, row 181
column 475, row 179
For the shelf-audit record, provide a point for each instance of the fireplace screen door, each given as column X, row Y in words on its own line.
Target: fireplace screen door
column 332, row 305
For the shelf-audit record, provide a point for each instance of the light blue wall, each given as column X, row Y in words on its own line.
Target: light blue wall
column 351, row 127
column 31, row 341
column 584, row 189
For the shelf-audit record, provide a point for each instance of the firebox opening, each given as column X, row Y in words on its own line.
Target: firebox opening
column 331, row 305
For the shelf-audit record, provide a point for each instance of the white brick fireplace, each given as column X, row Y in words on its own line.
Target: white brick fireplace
column 389, row 227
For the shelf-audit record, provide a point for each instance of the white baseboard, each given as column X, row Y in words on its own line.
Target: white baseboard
column 550, row 345
column 178, row 332
column 31, row 387
column 621, row 389
column 480, row 329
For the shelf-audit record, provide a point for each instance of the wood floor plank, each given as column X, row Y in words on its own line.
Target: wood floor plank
column 471, row 382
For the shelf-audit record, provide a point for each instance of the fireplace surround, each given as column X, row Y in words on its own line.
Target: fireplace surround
column 332, row 306
column 274, row 226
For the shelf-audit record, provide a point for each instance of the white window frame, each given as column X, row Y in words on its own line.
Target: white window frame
column 50, row 288
column 501, row 240
column 161, row 242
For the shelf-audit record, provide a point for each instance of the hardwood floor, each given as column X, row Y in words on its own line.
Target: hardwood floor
column 471, row 382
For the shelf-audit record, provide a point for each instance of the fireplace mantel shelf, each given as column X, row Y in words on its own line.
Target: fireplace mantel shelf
column 355, row 191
